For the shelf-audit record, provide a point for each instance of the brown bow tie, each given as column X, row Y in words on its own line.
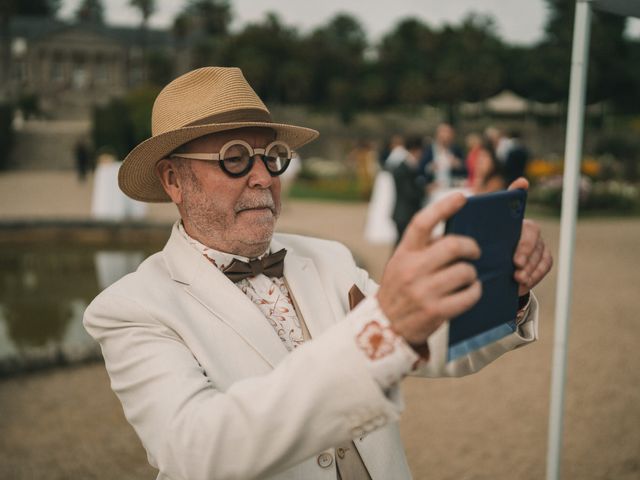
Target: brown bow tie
column 271, row 265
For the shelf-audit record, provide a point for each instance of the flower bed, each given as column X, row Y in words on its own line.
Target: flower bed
column 606, row 196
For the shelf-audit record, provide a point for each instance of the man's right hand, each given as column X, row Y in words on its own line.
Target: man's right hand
column 426, row 281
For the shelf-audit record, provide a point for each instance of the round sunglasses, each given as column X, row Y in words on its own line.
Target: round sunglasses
column 236, row 157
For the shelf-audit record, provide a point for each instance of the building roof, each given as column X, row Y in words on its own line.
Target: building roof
column 36, row 28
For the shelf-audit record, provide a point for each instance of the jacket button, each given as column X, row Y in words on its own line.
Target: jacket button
column 341, row 452
column 325, row 460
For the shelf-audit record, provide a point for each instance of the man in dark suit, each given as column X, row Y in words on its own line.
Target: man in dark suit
column 516, row 158
column 409, row 187
column 441, row 161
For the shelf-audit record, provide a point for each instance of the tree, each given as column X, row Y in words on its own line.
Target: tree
column 203, row 25
column 160, row 67
column 6, row 134
column 90, row 11
column 373, row 90
column 407, row 57
column 268, row 56
column 214, row 15
column 146, row 8
column 335, row 58
column 446, row 66
column 9, row 9
column 469, row 65
column 609, row 56
column 538, row 72
column 123, row 123
column 334, row 66
column 32, row 8
column 210, row 17
column 632, row 93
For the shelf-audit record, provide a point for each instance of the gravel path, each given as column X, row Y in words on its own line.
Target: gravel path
column 67, row 424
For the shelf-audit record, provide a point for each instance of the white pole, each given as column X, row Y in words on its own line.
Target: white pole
column 573, row 153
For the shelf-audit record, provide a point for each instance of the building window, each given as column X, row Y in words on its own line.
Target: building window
column 18, row 47
column 79, row 74
column 79, row 77
column 20, row 71
column 57, row 69
column 101, row 70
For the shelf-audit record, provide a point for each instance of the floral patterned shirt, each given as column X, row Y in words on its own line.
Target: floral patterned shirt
column 270, row 295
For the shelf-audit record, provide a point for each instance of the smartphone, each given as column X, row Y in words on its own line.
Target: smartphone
column 494, row 220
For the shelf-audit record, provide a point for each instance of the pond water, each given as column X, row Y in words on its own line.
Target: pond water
column 43, row 294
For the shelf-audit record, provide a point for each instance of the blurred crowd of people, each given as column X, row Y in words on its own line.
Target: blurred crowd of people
column 414, row 172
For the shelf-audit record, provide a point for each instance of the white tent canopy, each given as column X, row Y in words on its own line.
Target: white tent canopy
column 573, row 153
column 507, row 102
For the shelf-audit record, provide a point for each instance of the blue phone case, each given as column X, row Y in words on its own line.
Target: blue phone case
column 494, row 220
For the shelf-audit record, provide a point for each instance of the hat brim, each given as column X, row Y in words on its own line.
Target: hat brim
column 137, row 176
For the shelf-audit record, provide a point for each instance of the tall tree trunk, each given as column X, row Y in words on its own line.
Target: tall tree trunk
column 452, row 113
column 5, row 54
column 145, row 52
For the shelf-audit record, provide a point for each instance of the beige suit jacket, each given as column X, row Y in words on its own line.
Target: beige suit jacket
column 212, row 392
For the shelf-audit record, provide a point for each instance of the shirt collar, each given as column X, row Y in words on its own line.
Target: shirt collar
column 219, row 259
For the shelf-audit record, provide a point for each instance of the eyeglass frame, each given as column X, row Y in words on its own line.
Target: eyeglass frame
column 253, row 152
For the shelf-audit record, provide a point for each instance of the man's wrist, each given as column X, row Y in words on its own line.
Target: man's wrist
column 422, row 349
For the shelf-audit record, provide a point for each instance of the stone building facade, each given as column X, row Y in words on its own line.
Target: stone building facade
column 73, row 64
column 66, row 68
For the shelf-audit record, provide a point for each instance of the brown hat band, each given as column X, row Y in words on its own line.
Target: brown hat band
column 232, row 116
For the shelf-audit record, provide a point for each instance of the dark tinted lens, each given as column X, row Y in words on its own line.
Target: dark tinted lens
column 236, row 159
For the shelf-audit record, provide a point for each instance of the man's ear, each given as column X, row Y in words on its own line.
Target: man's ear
column 171, row 181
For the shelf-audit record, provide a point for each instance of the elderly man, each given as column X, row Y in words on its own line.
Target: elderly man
column 234, row 361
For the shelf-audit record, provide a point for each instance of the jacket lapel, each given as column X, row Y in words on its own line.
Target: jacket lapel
column 221, row 297
column 307, row 290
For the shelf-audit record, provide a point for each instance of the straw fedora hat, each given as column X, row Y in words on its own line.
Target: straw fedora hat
column 203, row 101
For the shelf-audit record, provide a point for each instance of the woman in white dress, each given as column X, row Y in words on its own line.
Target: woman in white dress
column 380, row 228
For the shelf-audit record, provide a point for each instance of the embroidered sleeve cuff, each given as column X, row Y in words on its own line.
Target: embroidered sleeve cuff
column 389, row 357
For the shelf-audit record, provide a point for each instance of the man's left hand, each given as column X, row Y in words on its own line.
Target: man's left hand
column 532, row 259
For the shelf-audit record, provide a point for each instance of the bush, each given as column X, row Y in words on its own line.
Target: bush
column 624, row 149
column 316, row 168
column 123, row 123
column 612, row 195
column 139, row 104
column 6, row 134
column 112, row 127
column 600, row 196
column 337, row 189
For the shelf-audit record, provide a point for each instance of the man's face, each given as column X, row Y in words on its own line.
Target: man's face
column 445, row 135
column 235, row 215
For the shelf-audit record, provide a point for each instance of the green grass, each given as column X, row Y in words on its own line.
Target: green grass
column 345, row 190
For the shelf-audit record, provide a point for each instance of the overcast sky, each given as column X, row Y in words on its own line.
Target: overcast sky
column 518, row 21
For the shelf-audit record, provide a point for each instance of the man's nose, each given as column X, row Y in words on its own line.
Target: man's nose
column 259, row 176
